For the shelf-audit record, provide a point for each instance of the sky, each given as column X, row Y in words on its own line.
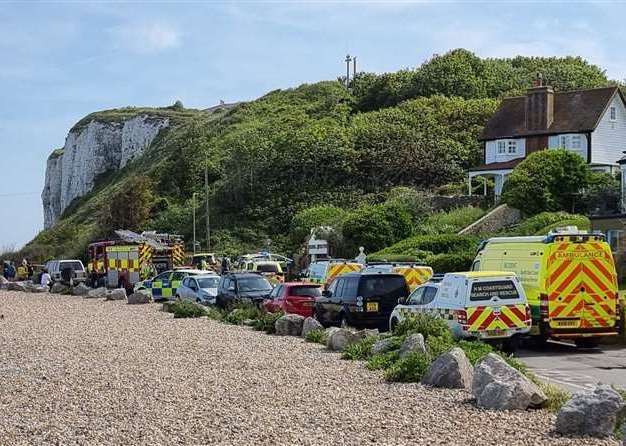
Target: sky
column 60, row 60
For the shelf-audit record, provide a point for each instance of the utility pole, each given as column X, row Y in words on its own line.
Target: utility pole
column 348, row 60
column 193, row 204
column 354, row 68
column 206, row 202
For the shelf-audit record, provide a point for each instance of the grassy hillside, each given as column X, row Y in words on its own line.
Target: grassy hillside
column 270, row 159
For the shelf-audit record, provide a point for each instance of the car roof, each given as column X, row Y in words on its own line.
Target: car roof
column 370, row 273
column 310, row 284
column 206, row 276
column 480, row 274
column 245, row 274
column 190, row 271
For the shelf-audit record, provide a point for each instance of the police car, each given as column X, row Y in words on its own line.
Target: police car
column 164, row 285
column 488, row 305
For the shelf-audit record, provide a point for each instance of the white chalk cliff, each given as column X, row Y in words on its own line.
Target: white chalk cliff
column 89, row 151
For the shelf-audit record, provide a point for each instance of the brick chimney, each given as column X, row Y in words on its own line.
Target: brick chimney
column 539, row 107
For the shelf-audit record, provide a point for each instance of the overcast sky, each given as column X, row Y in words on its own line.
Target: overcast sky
column 60, row 60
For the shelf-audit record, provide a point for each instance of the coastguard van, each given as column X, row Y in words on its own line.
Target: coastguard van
column 487, row 305
column 324, row 271
column 569, row 279
column 415, row 274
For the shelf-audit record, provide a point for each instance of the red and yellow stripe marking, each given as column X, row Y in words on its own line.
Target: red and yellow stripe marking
column 484, row 318
column 415, row 276
column 337, row 269
column 582, row 287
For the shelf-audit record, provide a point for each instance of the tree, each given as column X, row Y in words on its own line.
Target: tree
column 129, row 207
column 375, row 227
column 548, row 180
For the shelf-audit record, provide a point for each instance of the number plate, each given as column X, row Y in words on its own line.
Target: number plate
column 372, row 306
column 567, row 323
column 496, row 333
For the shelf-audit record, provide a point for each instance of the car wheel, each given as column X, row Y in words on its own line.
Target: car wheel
column 393, row 324
column 511, row 345
column 343, row 321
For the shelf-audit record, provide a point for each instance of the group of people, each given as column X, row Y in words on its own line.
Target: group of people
column 24, row 271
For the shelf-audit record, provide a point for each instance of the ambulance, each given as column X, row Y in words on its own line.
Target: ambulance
column 415, row 274
column 486, row 305
column 569, row 279
column 324, row 271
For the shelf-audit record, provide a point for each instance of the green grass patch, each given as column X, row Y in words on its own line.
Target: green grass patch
column 425, row 324
column 267, row 322
column 316, row 336
column 243, row 312
column 411, row 368
column 360, row 350
column 382, row 361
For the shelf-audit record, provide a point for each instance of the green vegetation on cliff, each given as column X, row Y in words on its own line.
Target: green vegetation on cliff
column 320, row 145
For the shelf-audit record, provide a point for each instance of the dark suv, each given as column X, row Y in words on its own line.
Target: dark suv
column 242, row 287
column 361, row 300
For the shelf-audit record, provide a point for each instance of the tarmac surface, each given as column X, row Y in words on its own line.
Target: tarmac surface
column 577, row 369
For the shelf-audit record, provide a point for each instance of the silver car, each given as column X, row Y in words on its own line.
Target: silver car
column 201, row 288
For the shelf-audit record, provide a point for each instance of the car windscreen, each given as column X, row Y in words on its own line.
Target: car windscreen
column 267, row 268
column 305, row 291
column 75, row 266
column 253, row 284
column 503, row 289
column 208, row 282
column 392, row 287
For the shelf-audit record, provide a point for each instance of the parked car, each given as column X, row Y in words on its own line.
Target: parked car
column 415, row 274
column 201, row 288
column 271, row 269
column 361, row 300
column 65, row 271
column 163, row 286
column 293, row 298
column 486, row 305
column 324, row 271
column 242, row 287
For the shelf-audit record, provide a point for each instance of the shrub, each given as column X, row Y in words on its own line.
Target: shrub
column 542, row 223
column 267, row 322
column 547, row 180
column 435, row 244
column 317, row 336
column 411, row 368
column 425, row 324
column 214, row 313
column 382, row 361
column 437, row 345
column 475, row 350
column 183, row 309
column 361, row 349
column 445, row 263
column 557, row 397
column 242, row 312
column 375, row 227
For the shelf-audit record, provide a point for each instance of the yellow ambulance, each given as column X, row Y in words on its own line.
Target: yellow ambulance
column 569, row 279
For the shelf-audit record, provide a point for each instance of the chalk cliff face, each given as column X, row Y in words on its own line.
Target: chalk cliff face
column 90, row 150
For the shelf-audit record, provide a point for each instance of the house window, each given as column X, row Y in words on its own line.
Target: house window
column 563, row 143
column 512, row 147
column 501, row 147
column 613, row 114
column 576, row 142
column 613, row 237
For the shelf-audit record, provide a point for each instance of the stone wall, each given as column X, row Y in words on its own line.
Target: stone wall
column 497, row 219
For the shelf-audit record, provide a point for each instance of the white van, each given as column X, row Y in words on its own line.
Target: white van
column 489, row 305
column 75, row 271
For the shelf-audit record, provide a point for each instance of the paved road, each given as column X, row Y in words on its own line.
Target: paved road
column 575, row 369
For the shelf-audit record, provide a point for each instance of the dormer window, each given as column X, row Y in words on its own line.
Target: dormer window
column 512, row 147
column 501, row 147
column 613, row 114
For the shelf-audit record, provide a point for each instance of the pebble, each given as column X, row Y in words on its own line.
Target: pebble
column 76, row 371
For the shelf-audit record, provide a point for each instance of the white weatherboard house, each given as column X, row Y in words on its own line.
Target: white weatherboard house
column 591, row 123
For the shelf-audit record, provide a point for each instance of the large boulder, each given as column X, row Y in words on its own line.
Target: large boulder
column 59, row 288
column 590, row 413
column 35, row 288
column 116, row 294
column 413, row 343
column 97, row 293
column 451, row 370
column 16, row 286
column 496, row 385
column 310, row 324
column 80, row 290
column 139, row 298
column 383, row 345
column 168, row 306
column 289, row 325
column 340, row 338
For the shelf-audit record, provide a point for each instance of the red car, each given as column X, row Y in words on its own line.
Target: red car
column 293, row 298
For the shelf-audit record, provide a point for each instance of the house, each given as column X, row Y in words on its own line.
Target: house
column 591, row 123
